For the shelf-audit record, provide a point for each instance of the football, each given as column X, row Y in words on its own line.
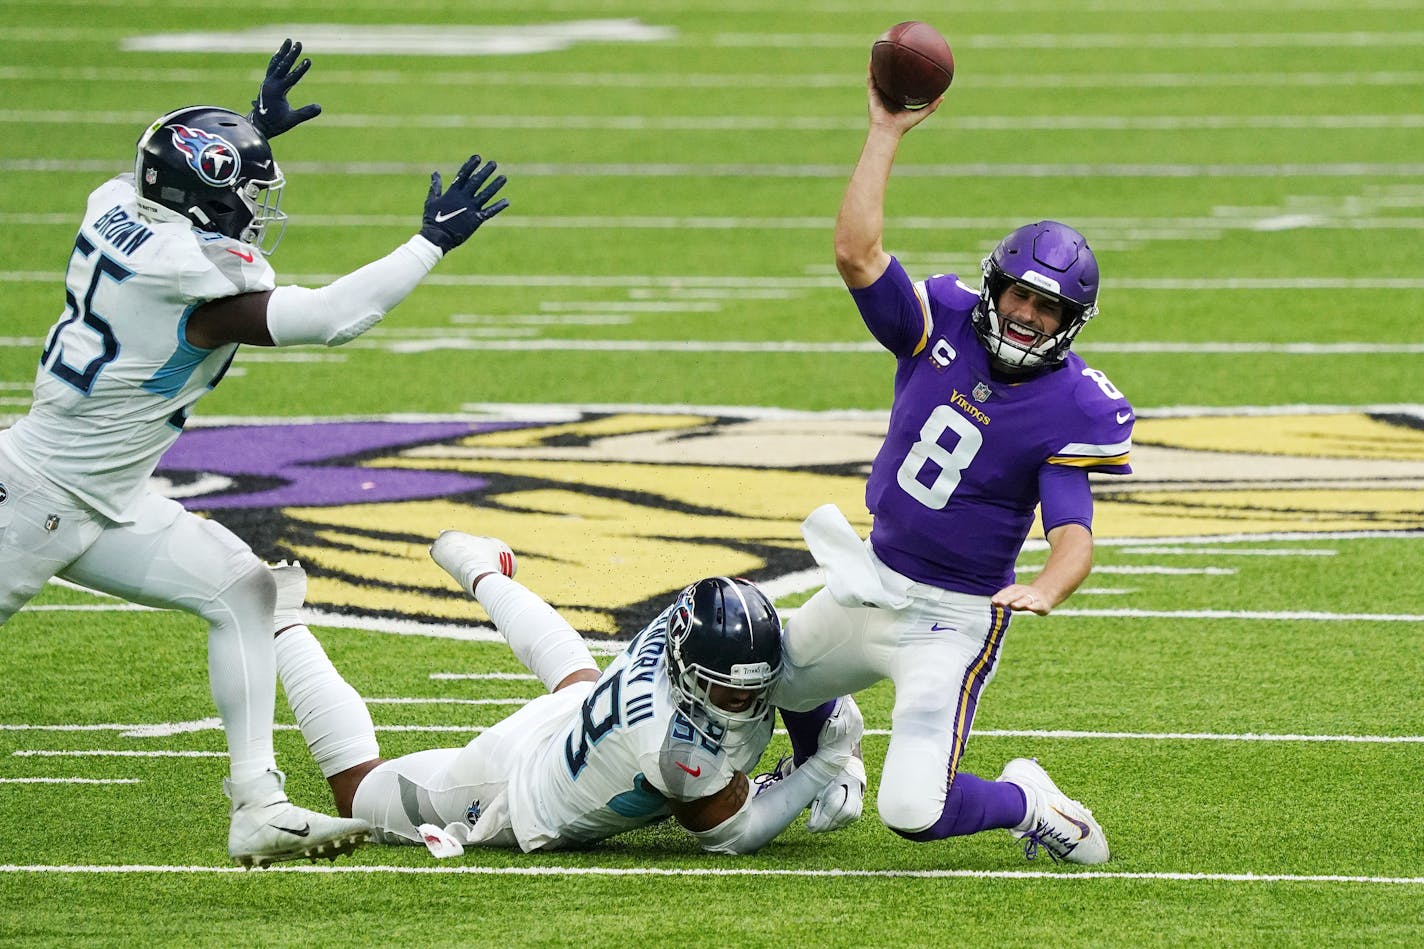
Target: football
column 911, row 65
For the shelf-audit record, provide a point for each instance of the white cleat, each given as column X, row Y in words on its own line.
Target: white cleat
column 1055, row 822
column 267, row 828
column 291, row 593
column 467, row 557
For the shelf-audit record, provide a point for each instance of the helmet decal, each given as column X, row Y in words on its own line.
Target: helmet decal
column 211, row 156
column 680, row 622
column 1035, row 279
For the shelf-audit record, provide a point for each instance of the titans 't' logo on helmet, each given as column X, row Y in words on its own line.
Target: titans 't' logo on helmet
column 211, row 156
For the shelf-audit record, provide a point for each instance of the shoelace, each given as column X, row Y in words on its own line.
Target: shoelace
column 1043, row 836
column 768, row 778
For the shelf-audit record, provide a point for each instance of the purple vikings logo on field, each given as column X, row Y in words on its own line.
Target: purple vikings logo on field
column 611, row 513
column 211, row 156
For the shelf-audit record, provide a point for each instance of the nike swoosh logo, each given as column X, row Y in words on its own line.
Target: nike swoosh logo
column 1083, row 829
column 302, row 831
column 1123, row 417
column 245, row 255
column 936, row 628
column 690, row 771
column 441, row 217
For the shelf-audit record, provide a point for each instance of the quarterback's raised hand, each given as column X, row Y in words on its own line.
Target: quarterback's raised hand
column 452, row 216
column 271, row 113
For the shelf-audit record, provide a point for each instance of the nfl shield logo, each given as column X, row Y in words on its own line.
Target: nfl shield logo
column 981, row 392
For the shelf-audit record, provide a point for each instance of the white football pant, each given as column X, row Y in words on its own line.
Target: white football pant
column 939, row 651
column 168, row 558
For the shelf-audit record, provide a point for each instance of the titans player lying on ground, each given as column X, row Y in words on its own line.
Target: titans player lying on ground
column 671, row 727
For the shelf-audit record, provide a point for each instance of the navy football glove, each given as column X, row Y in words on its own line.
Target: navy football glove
column 270, row 112
column 451, row 218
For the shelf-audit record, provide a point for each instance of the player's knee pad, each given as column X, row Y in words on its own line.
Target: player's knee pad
column 248, row 599
column 915, row 779
column 905, row 810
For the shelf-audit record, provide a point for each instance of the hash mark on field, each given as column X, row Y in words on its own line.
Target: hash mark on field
column 547, row 871
column 51, row 753
column 487, row 676
column 164, row 729
column 1165, row 571
column 443, row 701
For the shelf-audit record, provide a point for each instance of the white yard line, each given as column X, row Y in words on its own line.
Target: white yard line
column 631, row 282
column 150, row 74
column 726, row 871
column 70, row 781
column 445, row 701
column 1221, row 552
column 1268, row 615
column 771, row 123
column 1325, row 216
column 1375, row 170
column 1074, row 734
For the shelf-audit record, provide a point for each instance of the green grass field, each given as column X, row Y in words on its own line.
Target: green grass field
column 647, row 370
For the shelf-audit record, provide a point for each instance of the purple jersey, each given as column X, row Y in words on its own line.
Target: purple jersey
column 955, row 485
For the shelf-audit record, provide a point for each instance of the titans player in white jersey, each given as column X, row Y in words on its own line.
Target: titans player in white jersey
column 670, row 728
column 167, row 276
column 992, row 418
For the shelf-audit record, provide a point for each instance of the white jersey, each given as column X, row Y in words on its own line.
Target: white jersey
column 625, row 756
column 117, row 375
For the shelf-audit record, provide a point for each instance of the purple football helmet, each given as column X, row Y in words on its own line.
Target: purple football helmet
column 1054, row 261
column 210, row 167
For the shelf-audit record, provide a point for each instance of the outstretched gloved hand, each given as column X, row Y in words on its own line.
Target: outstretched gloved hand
column 452, row 216
column 270, row 112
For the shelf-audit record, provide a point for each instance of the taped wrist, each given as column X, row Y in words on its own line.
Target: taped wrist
column 346, row 308
column 767, row 814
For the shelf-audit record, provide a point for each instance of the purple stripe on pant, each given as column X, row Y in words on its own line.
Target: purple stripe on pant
column 973, row 804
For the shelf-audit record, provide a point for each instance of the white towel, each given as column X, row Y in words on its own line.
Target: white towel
column 851, row 572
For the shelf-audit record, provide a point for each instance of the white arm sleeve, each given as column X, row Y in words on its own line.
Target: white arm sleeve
column 767, row 814
column 345, row 309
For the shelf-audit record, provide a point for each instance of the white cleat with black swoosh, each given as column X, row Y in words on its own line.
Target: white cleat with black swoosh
column 267, row 828
column 1055, row 822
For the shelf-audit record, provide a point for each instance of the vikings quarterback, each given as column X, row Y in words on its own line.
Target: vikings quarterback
column 167, row 276
column 992, row 417
column 670, row 727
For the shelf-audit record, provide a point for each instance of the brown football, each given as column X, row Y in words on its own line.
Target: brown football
column 911, row 65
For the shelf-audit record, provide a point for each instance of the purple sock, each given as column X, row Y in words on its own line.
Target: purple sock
column 972, row 805
column 805, row 729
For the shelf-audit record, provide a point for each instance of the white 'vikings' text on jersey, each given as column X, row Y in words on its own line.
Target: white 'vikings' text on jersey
column 117, row 375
